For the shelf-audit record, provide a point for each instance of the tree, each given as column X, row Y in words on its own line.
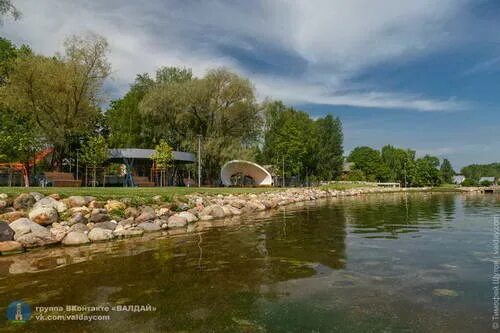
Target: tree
column 329, row 149
column 476, row 171
column 446, row 172
column 94, row 153
column 370, row 162
column 399, row 162
column 162, row 157
column 287, row 138
column 427, row 172
column 61, row 93
column 7, row 8
column 220, row 106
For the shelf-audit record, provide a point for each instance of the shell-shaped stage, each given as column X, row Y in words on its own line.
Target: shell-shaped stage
column 259, row 175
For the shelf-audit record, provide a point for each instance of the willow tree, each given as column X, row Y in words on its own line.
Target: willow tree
column 220, row 107
column 61, row 94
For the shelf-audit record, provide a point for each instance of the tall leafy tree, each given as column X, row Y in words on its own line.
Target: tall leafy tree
column 61, row 93
column 446, row 172
column 94, row 153
column 370, row 162
column 329, row 149
column 220, row 107
column 427, row 171
column 400, row 163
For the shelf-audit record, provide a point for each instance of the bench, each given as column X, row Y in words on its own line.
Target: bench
column 62, row 179
column 142, row 181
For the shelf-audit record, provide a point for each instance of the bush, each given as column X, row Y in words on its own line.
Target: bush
column 486, row 183
column 469, row 182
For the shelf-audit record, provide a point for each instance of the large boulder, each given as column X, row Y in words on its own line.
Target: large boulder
column 176, row 221
column 100, row 234
column 21, row 226
column 31, row 234
column 6, row 232
column 10, row 246
column 75, row 238
column 44, row 215
column 190, row 217
column 60, row 206
column 24, row 201
column 149, row 227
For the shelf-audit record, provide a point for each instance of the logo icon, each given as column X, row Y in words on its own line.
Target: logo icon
column 18, row 312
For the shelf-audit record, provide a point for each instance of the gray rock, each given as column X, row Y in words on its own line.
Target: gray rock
column 6, row 232
column 134, row 231
column 75, row 238
column 33, row 240
column 51, row 202
column 21, row 226
column 190, row 217
column 147, row 214
column 76, row 201
column 99, row 217
column 106, row 225
column 149, row 227
column 24, row 201
column 206, row 217
column 37, row 196
column 58, row 233
column 214, row 210
column 77, row 218
column 44, row 215
column 131, row 212
column 176, row 221
column 79, row 227
column 99, row 234
column 126, row 222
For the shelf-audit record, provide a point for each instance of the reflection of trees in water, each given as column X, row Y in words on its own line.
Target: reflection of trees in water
column 400, row 213
column 478, row 202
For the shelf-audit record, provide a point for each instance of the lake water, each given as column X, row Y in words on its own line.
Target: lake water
column 377, row 263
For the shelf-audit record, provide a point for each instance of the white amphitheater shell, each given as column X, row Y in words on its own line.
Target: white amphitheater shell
column 260, row 176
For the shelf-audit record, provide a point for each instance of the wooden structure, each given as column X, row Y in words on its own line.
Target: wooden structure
column 62, row 179
column 142, row 181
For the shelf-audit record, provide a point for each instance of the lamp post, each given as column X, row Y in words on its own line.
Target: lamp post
column 199, row 160
column 283, row 182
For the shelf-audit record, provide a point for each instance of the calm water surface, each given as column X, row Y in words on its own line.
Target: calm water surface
column 379, row 263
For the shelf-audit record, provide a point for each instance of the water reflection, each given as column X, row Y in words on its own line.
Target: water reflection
column 354, row 261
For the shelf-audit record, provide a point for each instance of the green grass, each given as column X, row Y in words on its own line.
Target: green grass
column 344, row 186
column 137, row 194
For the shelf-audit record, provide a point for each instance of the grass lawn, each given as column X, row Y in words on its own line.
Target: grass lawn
column 138, row 194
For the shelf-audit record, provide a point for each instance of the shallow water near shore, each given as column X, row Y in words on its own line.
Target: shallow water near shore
column 376, row 263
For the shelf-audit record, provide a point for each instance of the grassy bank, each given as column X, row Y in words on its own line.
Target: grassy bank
column 135, row 193
column 144, row 195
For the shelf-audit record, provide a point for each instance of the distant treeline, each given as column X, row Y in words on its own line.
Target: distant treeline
column 476, row 171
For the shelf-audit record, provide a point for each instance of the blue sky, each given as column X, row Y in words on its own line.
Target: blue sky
column 419, row 74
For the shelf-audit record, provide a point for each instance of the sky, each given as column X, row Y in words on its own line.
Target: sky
column 415, row 74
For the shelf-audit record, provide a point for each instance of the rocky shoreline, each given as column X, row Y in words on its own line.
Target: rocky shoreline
column 32, row 220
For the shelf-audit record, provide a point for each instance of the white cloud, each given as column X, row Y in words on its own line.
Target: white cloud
column 337, row 39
